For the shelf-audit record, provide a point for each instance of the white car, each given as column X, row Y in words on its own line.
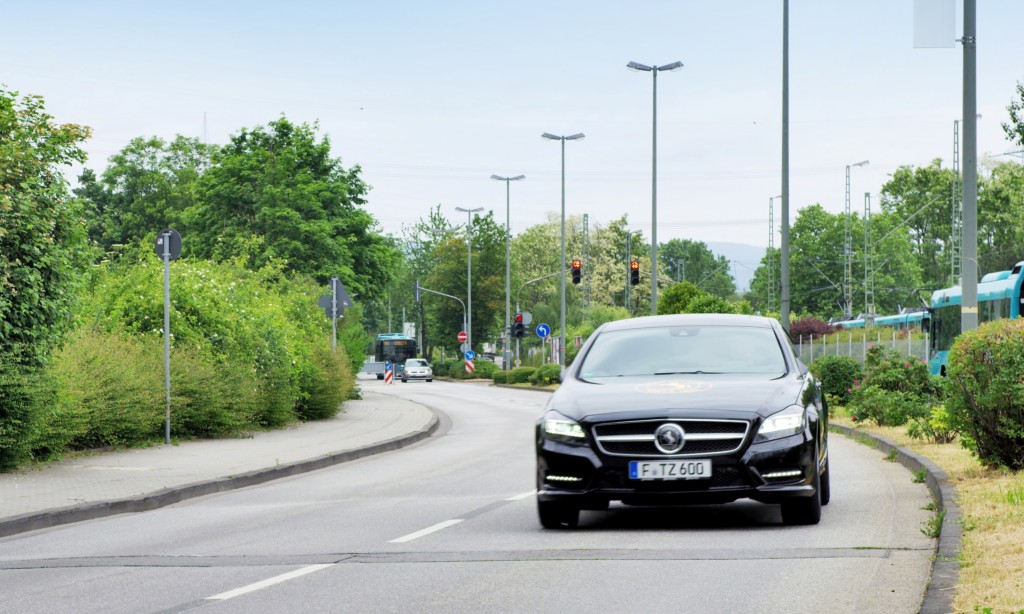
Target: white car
column 417, row 368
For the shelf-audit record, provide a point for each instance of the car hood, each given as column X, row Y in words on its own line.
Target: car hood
column 579, row 400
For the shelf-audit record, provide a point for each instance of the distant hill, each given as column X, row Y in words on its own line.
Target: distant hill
column 744, row 261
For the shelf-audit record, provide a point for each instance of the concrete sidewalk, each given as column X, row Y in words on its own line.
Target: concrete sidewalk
column 141, row 479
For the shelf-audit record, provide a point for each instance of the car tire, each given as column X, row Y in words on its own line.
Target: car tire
column 804, row 510
column 825, row 487
column 558, row 515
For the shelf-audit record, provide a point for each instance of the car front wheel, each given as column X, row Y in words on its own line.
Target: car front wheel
column 804, row 510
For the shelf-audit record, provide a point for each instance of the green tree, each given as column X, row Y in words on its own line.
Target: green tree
column 1001, row 217
column 922, row 198
column 677, row 298
column 279, row 184
column 1014, row 128
column 146, row 187
column 693, row 261
column 42, row 241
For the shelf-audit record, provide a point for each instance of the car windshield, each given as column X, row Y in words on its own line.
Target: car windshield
column 675, row 350
column 416, row 362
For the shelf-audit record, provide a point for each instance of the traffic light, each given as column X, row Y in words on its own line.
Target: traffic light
column 577, row 264
column 634, row 272
column 518, row 328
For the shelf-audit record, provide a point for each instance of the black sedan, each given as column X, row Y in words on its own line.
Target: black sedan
column 684, row 409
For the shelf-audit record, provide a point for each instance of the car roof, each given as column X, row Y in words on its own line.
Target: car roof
column 690, row 319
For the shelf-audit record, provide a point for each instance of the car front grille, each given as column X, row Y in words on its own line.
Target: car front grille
column 702, row 437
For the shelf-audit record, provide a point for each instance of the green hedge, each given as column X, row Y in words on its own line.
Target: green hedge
column 250, row 350
column 986, row 402
column 520, row 375
column 838, row 375
column 500, row 377
column 545, row 375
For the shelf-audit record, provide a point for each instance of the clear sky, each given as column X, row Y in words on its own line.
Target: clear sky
column 431, row 98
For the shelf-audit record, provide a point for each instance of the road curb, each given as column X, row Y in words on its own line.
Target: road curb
column 169, row 496
column 938, row 598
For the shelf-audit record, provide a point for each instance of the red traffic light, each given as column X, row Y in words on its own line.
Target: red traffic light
column 519, row 318
column 635, row 265
column 577, row 263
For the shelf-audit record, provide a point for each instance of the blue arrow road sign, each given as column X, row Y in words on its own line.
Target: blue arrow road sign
column 470, row 355
column 543, row 330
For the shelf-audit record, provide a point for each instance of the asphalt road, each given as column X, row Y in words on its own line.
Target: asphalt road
column 449, row 525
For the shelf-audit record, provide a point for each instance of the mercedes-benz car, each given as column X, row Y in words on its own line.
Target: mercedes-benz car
column 417, row 368
column 684, row 409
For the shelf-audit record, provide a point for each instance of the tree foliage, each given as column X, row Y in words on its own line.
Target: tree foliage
column 146, row 187
column 275, row 192
column 693, row 261
column 42, row 241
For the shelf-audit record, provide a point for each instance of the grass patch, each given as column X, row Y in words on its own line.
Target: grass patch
column 892, row 455
column 992, row 519
column 920, row 476
column 933, row 527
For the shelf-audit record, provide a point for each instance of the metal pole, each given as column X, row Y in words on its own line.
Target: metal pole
column 784, row 257
column 654, row 200
column 629, row 258
column 969, row 266
column 469, row 279
column 561, row 343
column 508, row 276
column 334, row 315
column 167, row 336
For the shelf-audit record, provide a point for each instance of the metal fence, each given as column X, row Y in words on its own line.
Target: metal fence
column 812, row 348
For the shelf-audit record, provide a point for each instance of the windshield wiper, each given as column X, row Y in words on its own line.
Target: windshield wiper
column 688, row 373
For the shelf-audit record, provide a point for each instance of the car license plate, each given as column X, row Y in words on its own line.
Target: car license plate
column 670, row 470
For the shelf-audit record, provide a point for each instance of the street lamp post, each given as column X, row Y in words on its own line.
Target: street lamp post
column 508, row 267
column 469, row 272
column 654, row 70
column 848, row 247
column 561, row 335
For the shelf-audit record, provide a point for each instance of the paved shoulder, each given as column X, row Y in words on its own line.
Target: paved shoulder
column 147, row 478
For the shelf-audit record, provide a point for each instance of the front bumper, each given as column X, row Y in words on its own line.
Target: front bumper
column 768, row 472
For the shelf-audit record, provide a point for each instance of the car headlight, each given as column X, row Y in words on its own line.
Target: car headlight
column 790, row 421
column 559, row 428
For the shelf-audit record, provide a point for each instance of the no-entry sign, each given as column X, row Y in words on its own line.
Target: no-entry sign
column 463, row 336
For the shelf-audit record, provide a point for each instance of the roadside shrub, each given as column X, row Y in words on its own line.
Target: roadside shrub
column 20, row 408
column 113, row 389
column 500, row 377
column 938, row 427
column 210, row 398
column 808, row 326
column 326, row 386
column 520, row 375
column 545, row 375
column 986, row 402
column 838, row 375
column 484, row 369
column 709, row 303
column 885, row 407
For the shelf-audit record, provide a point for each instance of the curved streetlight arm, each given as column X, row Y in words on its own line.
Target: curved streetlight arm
column 534, row 281
column 422, row 289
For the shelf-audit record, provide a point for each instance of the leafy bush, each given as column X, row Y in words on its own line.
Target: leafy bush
column 938, row 427
column 895, row 389
column 328, row 385
column 500, row 377
column 709, row 303
column 520, row 375
column 807, row 326
column 484, row 369
column 886, row 407
column 545, row 375
column 838, row 375
column 986, row 402
column 113, row 389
